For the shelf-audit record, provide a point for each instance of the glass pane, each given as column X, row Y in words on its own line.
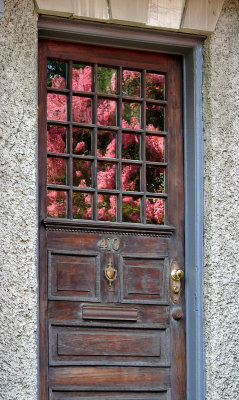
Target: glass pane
column 131, row 83
column 81, row 207
column 107, row 80
column 56, row 74
column 106, row 144
column 81, row 109
column 154, row 211
column 106, row 175
column 155, row 179
column 106, row 207
column 131, row 209
column 56, row 139
column 56, row 171
column 154, row 148
column 130, row 146
column 155, row 84
column 130, row 177
column 81, row 173
column 154, row 117
column 106, row 112
column 82, row 78
column 56, row 204
column 56, row 107
column 81, row 141
column 131, row 115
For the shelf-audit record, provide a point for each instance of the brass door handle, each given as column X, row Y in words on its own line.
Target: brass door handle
column 177, row 274
column 110, row 273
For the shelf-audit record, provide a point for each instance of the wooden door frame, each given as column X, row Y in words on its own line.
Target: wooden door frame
column 190, row 47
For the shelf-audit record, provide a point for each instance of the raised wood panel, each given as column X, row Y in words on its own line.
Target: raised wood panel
column 143, row 279
column 73, row 276
column 71, row 312
column 58, row 395
column 83, row 345
column 110, row 378
column 108, row 343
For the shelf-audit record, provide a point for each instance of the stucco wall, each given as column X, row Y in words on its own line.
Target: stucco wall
column 221, row 278
column 18, row 131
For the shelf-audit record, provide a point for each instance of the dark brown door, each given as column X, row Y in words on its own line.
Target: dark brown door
column 111, row 224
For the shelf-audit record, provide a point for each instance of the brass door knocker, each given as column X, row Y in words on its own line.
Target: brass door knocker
column 110, row 273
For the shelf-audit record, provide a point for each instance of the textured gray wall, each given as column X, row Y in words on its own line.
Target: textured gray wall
column 221, row 277
column 18, row 234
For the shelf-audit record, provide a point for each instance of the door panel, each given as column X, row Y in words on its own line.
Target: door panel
column 105, row 346
column 55, row 395
column 71, row 312
column 73, row 276
column 110, row 378
column 143, row 279
column 111, row 224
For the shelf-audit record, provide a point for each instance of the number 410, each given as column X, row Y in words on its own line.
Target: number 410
column 109, row 244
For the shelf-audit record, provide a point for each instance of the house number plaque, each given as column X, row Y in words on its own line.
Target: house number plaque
column 109, row 244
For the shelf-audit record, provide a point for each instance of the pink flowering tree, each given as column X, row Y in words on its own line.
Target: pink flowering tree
column 81, row 144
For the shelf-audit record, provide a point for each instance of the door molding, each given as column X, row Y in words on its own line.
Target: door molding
column 190, row 47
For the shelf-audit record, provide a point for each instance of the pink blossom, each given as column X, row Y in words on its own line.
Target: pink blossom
column 81, row 79
column 113, row 83
column 56, row 204
column 154, row 148
column 81, row 109
column 56, row 106
column 130, row 177
column 155, row 211
column 56, row 170
column 79, row 147
column 106, row 177
column 56, row 139
column 110, row 151
column 106, row 112
column 58, row 82
column 112, row 208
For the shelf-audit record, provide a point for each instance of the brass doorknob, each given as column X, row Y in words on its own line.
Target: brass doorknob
column 110, row 273
column 177, row 274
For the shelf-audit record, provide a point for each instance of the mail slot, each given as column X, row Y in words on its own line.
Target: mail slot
column 110, row 313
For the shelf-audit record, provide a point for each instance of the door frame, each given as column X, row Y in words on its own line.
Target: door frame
column 190, row 47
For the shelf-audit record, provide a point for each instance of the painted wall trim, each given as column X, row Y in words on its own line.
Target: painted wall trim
column 190, row 47
column 194, row 217
column 116, row 35
column 1, row 9
column 173, row 15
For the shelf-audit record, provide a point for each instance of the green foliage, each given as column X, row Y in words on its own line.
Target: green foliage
column 55, row 68
column 130, row 210
column 104, row 79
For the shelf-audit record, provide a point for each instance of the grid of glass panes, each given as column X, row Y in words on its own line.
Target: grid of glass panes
column 106, row 134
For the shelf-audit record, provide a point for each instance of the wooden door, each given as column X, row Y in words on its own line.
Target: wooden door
column 111, row 224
